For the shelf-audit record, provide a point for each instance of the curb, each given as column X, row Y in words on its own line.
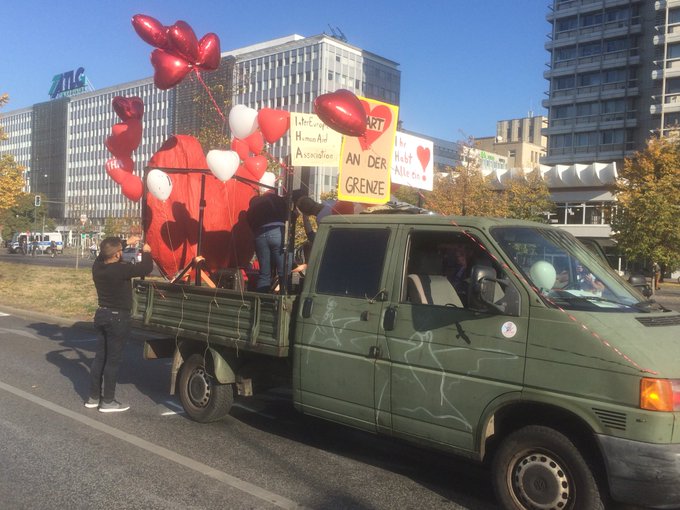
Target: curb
column 51, row 319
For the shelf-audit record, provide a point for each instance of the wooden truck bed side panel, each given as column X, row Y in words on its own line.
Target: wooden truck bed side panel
column 247, row 321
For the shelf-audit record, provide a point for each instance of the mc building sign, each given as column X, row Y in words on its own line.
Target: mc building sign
column 69, row 83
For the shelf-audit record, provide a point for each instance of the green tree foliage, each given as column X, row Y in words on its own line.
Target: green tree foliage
column 462, row 191
column 125, row 226
column 25, row 217
column 11, row 173
column 528, row 199
column 648, row 193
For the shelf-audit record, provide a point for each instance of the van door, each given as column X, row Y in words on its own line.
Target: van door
column 338, row 320
column 448, row 360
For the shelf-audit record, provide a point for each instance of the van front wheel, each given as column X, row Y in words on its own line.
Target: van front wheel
column 538, row 467
column 203, row 398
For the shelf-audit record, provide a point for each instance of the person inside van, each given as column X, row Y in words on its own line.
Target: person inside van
column 587, row 281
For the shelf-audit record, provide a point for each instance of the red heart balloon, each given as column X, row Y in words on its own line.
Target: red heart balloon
column 128, row 107
column 115, row 170
column 209, row 52
column 342, row 111
column 183, row 41
column 256, row 167
column 132, row 187
column 255, row 142
column 125, row 138
column 423, row 154
column 241, row 148
column 381, row 112
column 169, row 69
column 273, row 123
column 150, row 30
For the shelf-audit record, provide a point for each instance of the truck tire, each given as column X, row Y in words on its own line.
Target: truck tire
column 202, row 397
column 538, row 467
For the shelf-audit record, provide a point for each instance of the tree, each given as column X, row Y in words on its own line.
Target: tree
column 25, row 217
column 463, row 191
column 528, row 198
column 126, row 226
column 648, row 193
column 11, row 173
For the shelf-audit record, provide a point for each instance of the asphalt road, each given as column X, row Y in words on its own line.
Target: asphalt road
column 55, row 453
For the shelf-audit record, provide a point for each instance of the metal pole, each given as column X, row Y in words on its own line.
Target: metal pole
column 201, row 209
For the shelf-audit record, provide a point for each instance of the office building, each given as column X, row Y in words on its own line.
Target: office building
column 601, row 85
column 61, row 142
column 520, row 141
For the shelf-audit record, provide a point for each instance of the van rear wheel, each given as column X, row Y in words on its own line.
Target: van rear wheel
column 537, row 467
column 204, row 399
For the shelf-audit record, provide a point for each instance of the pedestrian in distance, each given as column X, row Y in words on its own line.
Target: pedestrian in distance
column 113, row 281
column 53, row 249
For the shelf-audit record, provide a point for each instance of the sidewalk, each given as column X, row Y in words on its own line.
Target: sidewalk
column 668, row 296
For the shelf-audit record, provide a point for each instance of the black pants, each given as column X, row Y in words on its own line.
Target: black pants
column 114, row 328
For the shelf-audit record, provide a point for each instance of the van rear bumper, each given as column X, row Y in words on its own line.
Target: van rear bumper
column 642, row 473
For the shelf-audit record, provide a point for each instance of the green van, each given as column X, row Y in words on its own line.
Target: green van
column 502, row 341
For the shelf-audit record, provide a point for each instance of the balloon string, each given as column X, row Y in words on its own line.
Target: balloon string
column 200, row 79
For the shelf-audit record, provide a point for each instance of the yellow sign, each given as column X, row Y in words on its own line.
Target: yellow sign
column 366, row 161
column 312, row 142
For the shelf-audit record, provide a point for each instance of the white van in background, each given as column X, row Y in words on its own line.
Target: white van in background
column 25, row 241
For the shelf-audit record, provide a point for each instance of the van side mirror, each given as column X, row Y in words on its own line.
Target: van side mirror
column 487, row 293
column 640, row 283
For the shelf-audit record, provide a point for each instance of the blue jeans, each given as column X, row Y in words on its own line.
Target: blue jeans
column 269, row 251
column 113, row 327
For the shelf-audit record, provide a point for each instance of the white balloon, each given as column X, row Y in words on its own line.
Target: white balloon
column 159, row 184
column 223, row 164
column 242, row 121
column 268, row 179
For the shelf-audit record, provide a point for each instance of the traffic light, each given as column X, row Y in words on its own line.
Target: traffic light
column 37, row 200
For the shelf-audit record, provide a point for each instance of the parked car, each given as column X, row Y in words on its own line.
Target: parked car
column 132, row 255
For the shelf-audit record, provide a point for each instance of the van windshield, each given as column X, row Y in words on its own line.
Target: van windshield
column 565, row 273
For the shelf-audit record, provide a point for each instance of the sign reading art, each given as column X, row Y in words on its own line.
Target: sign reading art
column 413, row 164
column 366, row 161
column 312, row 142
column 68, row 83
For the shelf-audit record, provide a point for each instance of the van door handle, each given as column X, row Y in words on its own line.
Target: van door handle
column 390, row 318
column 307, row 308
column 374, row 352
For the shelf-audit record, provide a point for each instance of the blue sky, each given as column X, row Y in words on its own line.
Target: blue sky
column 465, row 64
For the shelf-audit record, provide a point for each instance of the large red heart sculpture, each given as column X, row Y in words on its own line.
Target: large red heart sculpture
column 151, row 30
column 273, row 123
column 169, row 69
column 125, row 138
column 128, row 107
column 209, row 52
column 171, row 227
column 183, row 41
column 378, row 120
column 342, row 111
column 423, row 154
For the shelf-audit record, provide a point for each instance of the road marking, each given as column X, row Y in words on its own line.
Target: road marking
column 255, row 411
column 199, row 467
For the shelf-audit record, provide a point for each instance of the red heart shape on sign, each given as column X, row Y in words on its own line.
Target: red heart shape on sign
column 209, row 52
column 183, row 41
column 423, row 154
column 342, row 111
column 125, row 138
column 128, row 107
column 169, row 69
column 378, row 119
column 273, row 123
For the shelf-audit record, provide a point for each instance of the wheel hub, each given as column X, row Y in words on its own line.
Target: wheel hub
column 541, row 482
column 199, row 388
